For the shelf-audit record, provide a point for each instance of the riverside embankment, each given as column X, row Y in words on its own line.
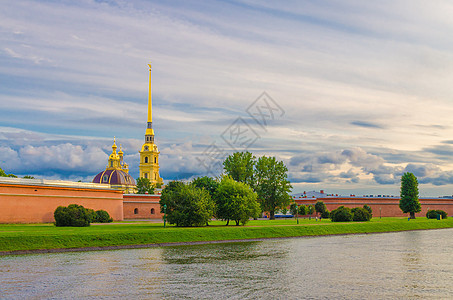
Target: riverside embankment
column 30, row 238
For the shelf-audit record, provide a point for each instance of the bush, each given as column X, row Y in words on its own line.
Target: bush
column 341, row 214
column 72, row 215
column 432, row 214
column 368, row 209
column 325, row 214
column 360, row 214
column 102, row 217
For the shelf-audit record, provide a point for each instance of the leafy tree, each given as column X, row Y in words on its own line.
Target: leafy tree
column 186, row 204
column 341, row 214
column 28, row 177
column 144, row 186
column 272, row 185
column 294, row 209
column 235, row 201
column 240, row 167
column 302, row 210
column 3, row 174
column 320, row 207
column 72, row 215
column 310, row 210
column 207, row 183
column 409, row 195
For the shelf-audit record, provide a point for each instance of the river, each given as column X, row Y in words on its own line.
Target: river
column 416, row 264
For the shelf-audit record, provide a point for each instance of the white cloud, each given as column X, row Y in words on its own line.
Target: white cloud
column 360, row 77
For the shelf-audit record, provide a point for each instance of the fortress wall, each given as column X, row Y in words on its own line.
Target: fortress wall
column 34, row 201
column 381, row 206
column 140, row 206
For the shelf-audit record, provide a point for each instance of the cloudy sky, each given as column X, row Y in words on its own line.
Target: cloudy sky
column 355, row 92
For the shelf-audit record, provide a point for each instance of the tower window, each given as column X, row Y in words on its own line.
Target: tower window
column 135, row 211
column 155, row 176
column 105, row 178
column 146, row 175
column 155, row 160
column 146, row 159
column 153, row 211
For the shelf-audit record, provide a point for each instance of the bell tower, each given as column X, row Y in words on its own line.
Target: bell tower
column 149, row 154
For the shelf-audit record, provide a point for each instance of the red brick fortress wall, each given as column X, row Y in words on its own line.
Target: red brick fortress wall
column 34, row 200
column 381, row 206
column 141, row 206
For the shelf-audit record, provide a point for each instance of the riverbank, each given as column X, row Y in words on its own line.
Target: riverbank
column 39, row 238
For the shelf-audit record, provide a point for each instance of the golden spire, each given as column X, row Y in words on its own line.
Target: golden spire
column 149, row 134
column 150, row 101
column 114, row 145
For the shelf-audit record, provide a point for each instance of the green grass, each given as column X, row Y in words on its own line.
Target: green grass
column 15, row 237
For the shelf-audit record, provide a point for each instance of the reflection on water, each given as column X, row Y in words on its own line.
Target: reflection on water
column 415, row 264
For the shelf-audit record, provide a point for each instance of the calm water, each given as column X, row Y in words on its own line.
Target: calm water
column 392, row 265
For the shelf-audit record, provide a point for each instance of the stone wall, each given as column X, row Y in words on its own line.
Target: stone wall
column 35, row 200
column 141, row 206
column 381, row 206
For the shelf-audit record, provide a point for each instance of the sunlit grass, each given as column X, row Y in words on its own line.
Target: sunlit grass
column 47, row 236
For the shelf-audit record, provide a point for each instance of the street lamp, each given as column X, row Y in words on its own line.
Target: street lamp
column 380, row 209
column 165, row 214
column 297, row 213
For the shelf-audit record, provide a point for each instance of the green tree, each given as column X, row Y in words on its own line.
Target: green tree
column 320, row 207
column 3, row 174
column 310, row 210
column 186, row 204
column 303, row 210
column 409, row 195
column 240, row 167
column 144, row 186
column 293, row 208
column 28, row 177
column 207, row 183
column 272, row 185
column 235, row 201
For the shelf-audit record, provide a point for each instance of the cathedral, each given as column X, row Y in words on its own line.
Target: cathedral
column 117, row 172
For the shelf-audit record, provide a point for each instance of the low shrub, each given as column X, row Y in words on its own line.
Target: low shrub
column 360, row 214
column 368, row 208
column 325, row 214
column 72, row 215
column 341, row 214
column 432, row 214
column 103, row 217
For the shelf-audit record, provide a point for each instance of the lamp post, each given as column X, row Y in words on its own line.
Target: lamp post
column 297, row 213
column 165, row 214
column 380, row 209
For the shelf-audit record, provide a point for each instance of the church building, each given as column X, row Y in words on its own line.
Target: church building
column 117, row 172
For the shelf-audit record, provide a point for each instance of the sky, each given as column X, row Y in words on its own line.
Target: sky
column 348, row 94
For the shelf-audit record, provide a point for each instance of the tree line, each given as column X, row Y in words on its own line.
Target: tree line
column 248, row 187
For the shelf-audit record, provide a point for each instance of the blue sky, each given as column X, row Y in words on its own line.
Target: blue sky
column 363, row 88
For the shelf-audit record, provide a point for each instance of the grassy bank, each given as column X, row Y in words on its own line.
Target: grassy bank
column 46, row 236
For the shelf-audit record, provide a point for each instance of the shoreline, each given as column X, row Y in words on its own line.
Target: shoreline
column 170, row 244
